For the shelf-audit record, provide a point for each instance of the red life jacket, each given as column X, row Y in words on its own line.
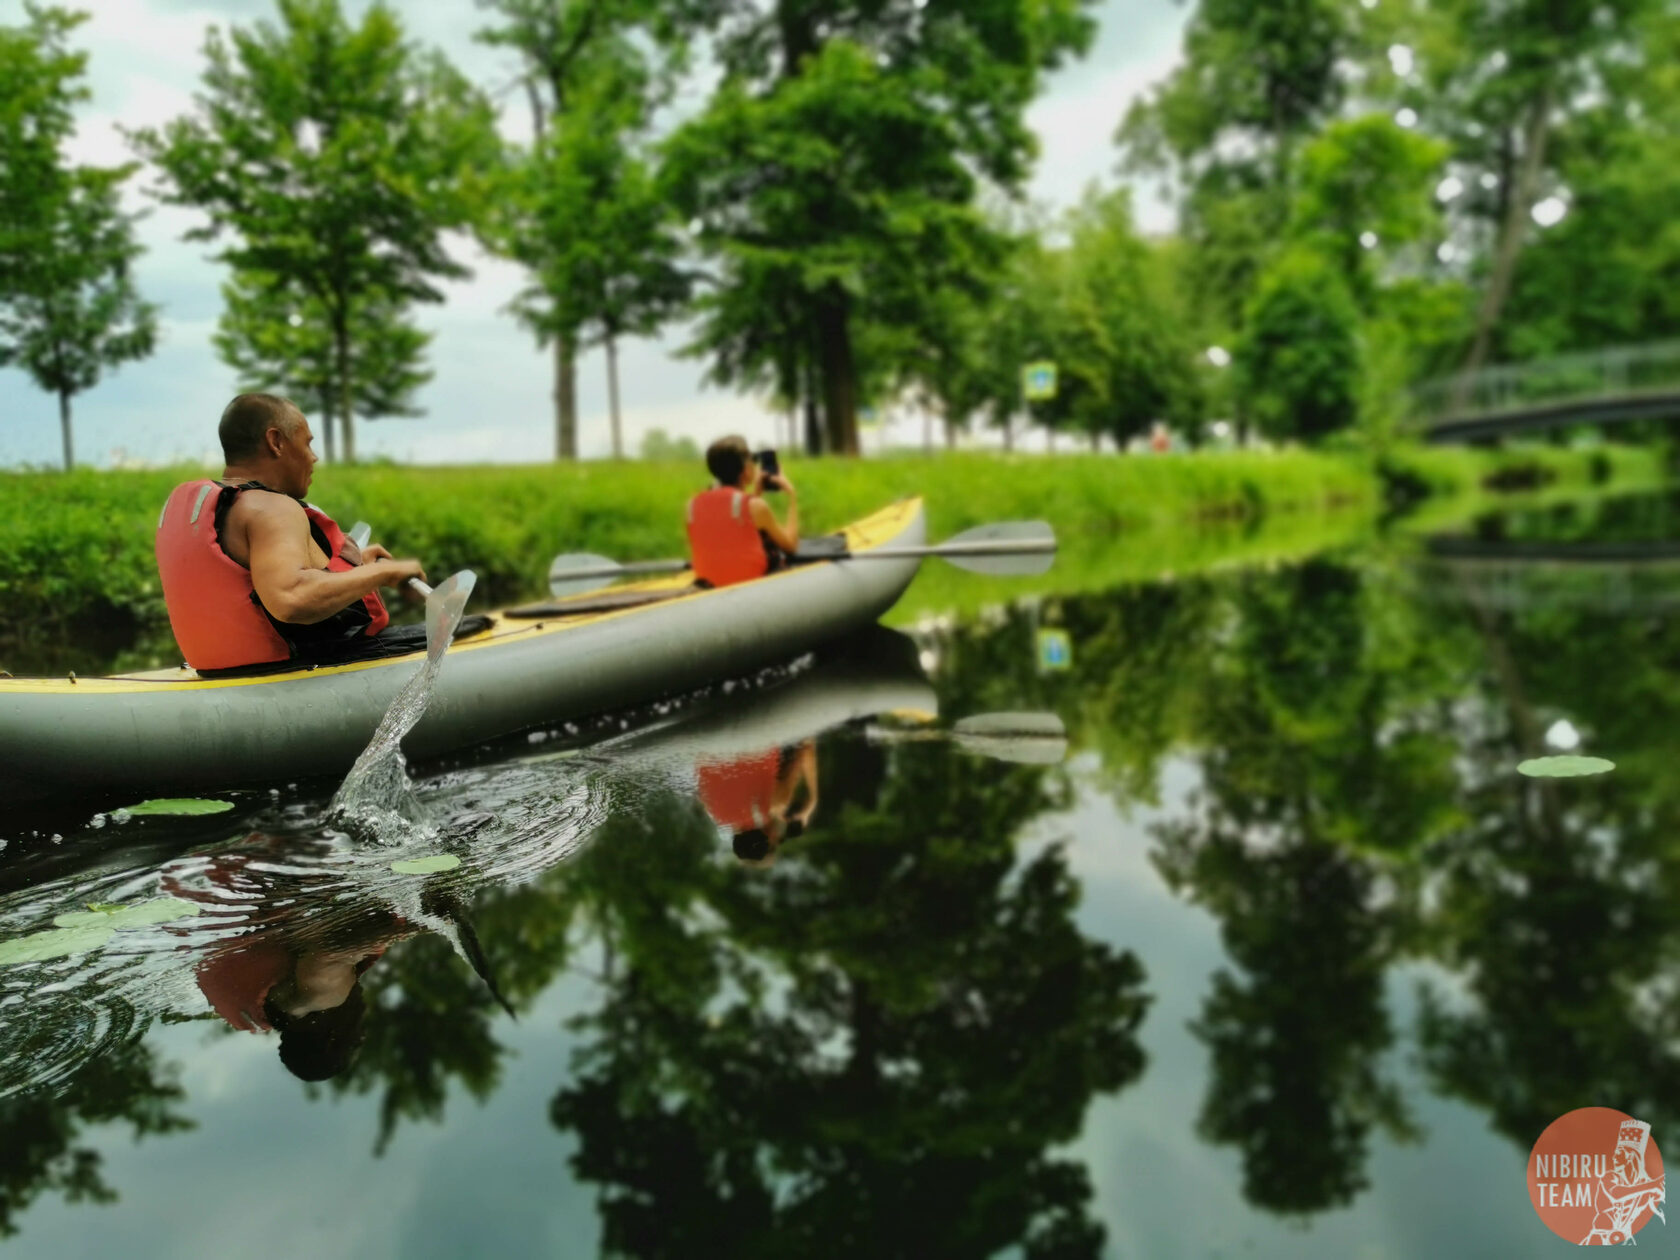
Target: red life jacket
column 722, row 540
column 213, row 608
column 738, row 794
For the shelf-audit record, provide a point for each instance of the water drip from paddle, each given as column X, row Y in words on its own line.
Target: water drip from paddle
column 376, row 801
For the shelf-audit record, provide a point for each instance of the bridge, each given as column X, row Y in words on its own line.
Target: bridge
column 1615, row 578
column 1598, row 387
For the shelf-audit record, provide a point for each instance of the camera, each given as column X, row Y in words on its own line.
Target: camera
column 769, row 466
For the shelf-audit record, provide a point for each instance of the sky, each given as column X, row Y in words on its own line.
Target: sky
column 490, row 399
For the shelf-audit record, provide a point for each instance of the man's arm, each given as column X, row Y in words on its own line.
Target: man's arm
column 289, row 586
column 785, row 537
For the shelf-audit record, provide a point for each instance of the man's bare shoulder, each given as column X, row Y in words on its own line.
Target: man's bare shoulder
column 268, row 506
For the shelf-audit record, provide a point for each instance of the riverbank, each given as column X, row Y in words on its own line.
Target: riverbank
column 78, row 559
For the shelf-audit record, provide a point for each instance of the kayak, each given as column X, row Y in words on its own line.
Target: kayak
column 567, row 659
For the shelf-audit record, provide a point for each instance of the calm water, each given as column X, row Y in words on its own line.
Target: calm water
column 1282, row 959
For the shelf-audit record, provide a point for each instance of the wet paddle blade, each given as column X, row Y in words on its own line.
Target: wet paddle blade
column 443, row 611
column 1026, row 549
column 1036, row 739
column 359, row 534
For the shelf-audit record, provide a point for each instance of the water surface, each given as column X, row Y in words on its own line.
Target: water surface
column 1284, row 959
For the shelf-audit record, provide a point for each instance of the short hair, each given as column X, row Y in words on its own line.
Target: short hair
column 727, row 458
column 248, row 417
column 752, row 846
column 322, row 1044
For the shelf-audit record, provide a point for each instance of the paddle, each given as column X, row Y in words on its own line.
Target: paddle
column 1037, row 739
column 377, row 784
column 1001, row 549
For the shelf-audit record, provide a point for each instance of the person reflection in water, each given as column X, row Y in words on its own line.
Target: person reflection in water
column 754, row 797
column 291, row 974
column 310, row 995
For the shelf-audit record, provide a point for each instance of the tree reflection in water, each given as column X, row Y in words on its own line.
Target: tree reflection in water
column 878, row 1045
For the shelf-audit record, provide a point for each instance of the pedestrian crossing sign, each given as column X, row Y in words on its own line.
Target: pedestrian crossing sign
column 1038, row 381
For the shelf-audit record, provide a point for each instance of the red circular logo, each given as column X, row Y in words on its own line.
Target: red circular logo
column 1596, row 1177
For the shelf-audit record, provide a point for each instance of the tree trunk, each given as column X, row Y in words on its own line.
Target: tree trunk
column 341, row 345
column 1096, row 441
column 565, row 398
column 950, row 434
column 64, row 429
column 839, row 378
column 813, row 422
column 1049, row 439
column 1511, row 236
column 1009, row 433
column 612, row 396
column 927, row 431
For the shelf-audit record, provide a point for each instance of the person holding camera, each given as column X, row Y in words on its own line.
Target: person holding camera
column 733, row 534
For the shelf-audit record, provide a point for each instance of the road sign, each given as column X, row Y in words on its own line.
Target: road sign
column 1038, row 381
column 1055, row 650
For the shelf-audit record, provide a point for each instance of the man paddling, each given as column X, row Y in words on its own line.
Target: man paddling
column 254, row 576
column 733, row 534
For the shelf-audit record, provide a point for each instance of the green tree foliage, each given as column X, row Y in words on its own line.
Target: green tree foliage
column 657, row 445
column 69, row 309
column 333, row 156
column 1298, row 359
column 833, row 177
column 279, row 338
column 582, row 214
column 577, row 208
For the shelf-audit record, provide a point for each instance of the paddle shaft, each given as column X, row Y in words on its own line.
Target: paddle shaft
column 360, row 532
column 1002, row 547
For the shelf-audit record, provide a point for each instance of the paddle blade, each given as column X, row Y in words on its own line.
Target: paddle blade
column 359, row 534
column 443, row 611
column 575, row 574
column 1025, row 549
column 1037, row 739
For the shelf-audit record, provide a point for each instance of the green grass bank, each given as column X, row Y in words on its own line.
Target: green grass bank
column 76, row 549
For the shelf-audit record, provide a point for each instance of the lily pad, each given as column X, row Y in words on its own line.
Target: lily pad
column 1563, row 767
column 54, row 943
column 180, row 805
column 158, row 910
column 426, row 865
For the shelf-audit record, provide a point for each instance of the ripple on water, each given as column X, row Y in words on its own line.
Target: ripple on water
column 43, row 1051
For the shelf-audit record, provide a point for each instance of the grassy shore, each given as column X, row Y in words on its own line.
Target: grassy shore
column 76, row 549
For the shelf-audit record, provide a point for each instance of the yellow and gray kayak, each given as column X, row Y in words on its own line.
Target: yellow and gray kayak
column 173, row 729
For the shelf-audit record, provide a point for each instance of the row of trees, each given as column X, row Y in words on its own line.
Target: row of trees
column 1361, row 191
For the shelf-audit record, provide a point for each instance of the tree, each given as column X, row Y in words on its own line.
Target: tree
column 580, row 211
column 1298, row 359
column 334, row 157
column 1500, row 113
column 69, row 308
column 834, row 173
column 279, row 338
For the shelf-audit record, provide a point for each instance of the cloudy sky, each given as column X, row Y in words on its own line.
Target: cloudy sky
column 490, row 397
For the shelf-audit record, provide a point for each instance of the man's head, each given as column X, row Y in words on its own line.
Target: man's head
column 267, row 438
column 731, row 462
column 316, row 1045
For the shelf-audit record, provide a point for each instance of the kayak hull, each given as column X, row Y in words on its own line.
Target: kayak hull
column 171, row 730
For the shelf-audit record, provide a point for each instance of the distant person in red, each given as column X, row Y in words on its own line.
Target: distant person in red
column 1160, row 441
column 733, row 534
column 253, row 575
column 754, row 797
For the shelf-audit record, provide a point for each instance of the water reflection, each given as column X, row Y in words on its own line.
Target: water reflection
column 896, row 1038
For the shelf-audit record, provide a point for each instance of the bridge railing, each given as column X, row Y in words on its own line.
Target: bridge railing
column 1618, row 372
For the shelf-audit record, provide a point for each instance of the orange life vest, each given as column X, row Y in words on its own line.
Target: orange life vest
column 213, row 608
column 738, row 794
column 723, row 542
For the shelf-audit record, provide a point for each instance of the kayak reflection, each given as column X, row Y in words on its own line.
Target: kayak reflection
column 272, row 932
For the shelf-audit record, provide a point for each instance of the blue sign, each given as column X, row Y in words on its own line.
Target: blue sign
column 1038, row 381
column 1055, row 650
